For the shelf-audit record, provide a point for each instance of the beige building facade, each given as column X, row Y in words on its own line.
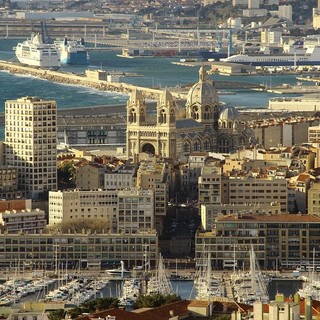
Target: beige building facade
column 258, row 190
column 72, row 205
column 31, row 143
column 280, row 240
column 209, row 212
column 47, row 251
column 32, row 221
column 136, row 210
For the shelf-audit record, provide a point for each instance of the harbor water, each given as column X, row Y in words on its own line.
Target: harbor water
column 186, row 291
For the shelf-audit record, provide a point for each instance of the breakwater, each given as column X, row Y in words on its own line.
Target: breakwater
column 76, row 79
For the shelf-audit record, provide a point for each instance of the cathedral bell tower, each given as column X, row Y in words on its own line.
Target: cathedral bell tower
column 166, row 110
column 166, row 125
column 136, row 119
column 136, row 109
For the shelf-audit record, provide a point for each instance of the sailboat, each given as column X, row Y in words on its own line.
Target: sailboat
column 205, row 284
column 160, row 283
column 130, row 291
column 312, row 288
column 252, row 286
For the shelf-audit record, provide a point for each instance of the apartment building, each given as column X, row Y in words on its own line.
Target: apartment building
column 190, row 172
column 209, row 184
column 280, row 240
column 298, row 187
column 84, row 249
column 209, row 212
column 314, row 134
column 77, row 204
column 31, row 143
column 136, row 210
column 121, row 178
column 155, row 176
column 32, row 221
column 9, row 183
column 89, row 175
column 257, row 188
column 314, row 198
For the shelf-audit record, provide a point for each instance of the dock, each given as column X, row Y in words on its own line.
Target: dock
column 294, row 89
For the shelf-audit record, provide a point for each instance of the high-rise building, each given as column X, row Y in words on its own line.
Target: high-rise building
column 31, row 143
column 285, row 12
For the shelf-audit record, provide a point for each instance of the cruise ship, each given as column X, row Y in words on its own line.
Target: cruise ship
column 34, row 52
column 300, row 57
column 72, row 52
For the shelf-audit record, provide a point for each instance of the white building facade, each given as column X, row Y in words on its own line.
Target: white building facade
column 76, row 204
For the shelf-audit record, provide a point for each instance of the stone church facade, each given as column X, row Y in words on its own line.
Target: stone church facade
column 174, row 132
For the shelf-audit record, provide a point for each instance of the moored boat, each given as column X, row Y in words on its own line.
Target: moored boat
column 35, row 52
column 298, row 57
column 72, row 52
column 119, row 273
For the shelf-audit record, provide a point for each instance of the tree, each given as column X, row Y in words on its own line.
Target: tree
column 99, row 304
column 58, row 314
column 155, row 300
column 66, row 176
column 98, row 225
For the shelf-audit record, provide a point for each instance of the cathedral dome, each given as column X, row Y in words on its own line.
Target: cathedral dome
column 229, row 113
column 204, row 91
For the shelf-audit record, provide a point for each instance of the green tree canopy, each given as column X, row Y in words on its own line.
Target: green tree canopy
column 96, row 305
column 58, row 314
column 66, row 175
column 155, row 300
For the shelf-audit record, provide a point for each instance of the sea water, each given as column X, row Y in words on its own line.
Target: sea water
column 154, row 72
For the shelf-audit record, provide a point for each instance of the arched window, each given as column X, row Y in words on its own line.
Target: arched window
column 133, row 116
column 142, row 115
column 195, row 113
column 163, row 116
column 196, row 146
column 206, row 145
column 186, row 147
column 172, row 116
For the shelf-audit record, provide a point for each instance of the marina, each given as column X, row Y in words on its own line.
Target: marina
column 76, row 287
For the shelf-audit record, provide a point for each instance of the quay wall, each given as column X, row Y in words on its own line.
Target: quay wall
column 74, row 79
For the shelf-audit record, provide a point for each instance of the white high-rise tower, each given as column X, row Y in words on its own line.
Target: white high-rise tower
column 31, row 143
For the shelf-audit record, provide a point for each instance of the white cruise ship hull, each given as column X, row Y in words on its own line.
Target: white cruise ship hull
column 34, row 53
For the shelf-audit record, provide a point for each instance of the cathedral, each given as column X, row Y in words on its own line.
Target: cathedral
column 204, row 125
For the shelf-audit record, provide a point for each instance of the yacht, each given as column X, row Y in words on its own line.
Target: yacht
column 118, row 273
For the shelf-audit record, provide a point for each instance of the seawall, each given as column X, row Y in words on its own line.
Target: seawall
column 75, row 79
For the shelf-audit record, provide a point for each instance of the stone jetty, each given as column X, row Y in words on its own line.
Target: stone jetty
column 76, row 79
